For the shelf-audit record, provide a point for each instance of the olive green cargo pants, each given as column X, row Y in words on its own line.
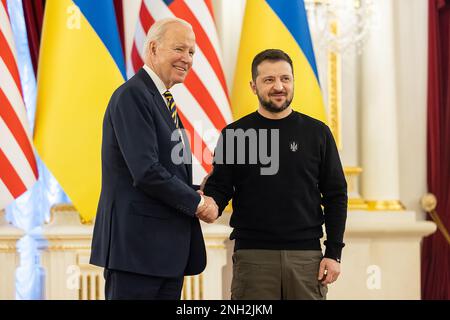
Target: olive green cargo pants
column 277, row 275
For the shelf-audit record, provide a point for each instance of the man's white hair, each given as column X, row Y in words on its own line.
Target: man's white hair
column 159, row 28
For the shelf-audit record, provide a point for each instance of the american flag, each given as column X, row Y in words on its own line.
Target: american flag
column 18, row 169
column 202, row 100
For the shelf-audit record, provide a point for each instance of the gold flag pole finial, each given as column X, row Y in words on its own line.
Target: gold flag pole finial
column 429, row 203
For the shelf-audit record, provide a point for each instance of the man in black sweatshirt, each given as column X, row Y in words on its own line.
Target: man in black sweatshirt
column 280, row 167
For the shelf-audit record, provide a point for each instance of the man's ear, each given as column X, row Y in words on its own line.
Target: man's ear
column 253, row 86
column 152, row 48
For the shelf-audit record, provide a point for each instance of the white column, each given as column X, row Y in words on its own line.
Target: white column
column 411, row 18
column 380, row 178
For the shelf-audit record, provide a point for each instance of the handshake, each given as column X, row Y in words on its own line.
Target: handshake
column 208, row 211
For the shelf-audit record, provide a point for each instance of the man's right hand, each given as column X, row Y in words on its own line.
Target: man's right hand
column 209, row 211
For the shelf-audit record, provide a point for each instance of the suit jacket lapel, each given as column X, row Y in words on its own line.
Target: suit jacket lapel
column 157, row 99
column 165, row 113
column 187, row 154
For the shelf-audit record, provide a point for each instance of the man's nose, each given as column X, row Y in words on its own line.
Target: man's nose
column 186, row 57
column 278, row 85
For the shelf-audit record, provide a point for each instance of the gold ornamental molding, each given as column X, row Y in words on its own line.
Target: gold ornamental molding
column 356, row 171
column 358, row 203
column 385, row 205
column 8, row 248
column 355, row 202
column 67, row 247
column 334, row 91
column 215, row 246
column 64, row 207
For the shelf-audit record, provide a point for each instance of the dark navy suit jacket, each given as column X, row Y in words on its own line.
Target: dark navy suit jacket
column 145, row 219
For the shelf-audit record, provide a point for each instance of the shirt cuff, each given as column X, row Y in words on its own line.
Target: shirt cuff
column 202, row 202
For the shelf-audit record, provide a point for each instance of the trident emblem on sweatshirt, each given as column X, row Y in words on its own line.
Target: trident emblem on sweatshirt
column 294, row 146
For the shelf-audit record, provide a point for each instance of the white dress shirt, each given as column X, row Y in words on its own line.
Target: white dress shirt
column 157, row 81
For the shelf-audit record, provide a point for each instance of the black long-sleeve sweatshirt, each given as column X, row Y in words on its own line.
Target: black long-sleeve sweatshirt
column 279, row 178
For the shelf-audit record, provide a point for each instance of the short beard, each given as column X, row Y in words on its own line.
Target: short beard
column 271, row 107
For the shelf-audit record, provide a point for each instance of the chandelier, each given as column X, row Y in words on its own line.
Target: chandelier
column 337, row 25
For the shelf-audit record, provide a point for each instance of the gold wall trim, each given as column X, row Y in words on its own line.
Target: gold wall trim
column 385, row 205
column 353, row 170
column 357, row 204
column 351, row 176
column 335, row 90
column 64, row 207
column 67, row 248
column 215, row 246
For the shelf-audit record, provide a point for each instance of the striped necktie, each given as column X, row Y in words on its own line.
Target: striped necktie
column 172, row 107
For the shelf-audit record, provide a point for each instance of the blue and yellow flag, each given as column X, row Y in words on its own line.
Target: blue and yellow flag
column 80, row 65
column 277, row 24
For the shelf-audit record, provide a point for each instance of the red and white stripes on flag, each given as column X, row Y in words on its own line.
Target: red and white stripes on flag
column 18, row 169
column 202, row 100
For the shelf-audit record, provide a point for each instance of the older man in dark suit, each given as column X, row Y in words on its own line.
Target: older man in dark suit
column 147, row 233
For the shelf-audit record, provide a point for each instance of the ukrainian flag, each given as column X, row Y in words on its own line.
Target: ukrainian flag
column 80, row 65
column 278, row 24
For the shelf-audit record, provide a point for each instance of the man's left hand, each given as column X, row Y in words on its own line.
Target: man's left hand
column 329, row 271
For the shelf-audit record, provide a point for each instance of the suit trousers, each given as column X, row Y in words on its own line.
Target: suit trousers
column 121, row 285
